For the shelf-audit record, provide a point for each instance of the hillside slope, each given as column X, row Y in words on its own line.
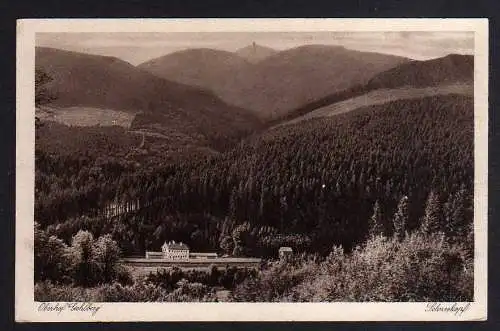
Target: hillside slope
column 452, row 74
column 383, row 96
column 281, row 82
column 109, row 83
column 445, row 70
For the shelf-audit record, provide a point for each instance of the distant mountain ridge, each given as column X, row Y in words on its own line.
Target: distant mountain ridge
column 189, row 107
column 280, row 82
column 210, row 66
column 205, row 68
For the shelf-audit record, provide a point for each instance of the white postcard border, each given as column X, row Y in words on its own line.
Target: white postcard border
column 27, row 310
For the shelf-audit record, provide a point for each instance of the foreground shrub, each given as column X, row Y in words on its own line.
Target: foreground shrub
column 52, row 261
column 47, row 291
column 139, row 292
column 115, row 292
column 187, row 291
column 418, row 268
column 277, row 282
column 86, row 262
column 227, row 278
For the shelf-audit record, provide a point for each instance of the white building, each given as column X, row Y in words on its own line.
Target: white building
column 178, row 251
column 175, row 251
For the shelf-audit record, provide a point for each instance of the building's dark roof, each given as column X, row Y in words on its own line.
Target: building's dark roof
column 176, row 246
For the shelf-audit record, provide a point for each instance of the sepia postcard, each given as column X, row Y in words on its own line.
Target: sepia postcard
column 251, row 170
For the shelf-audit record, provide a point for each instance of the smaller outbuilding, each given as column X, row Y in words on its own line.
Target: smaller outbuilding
column 202, row 256
column 285, row 252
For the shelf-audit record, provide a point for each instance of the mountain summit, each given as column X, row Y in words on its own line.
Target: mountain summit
column 205, row 68
column 255, row 53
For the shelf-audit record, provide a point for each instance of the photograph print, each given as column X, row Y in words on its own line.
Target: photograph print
column 255, row 166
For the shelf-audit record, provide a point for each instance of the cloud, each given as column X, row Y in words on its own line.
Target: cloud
column 139, row 47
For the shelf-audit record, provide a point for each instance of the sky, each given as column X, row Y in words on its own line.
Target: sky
column 138, row 47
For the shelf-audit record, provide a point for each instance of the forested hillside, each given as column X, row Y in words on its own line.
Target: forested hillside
column 310, row 186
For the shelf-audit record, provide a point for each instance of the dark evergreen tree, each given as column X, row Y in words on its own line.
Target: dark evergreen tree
column 457, row 225
column 432, row 221
column 233, row 205
column 376, row 226
column 401, row 218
